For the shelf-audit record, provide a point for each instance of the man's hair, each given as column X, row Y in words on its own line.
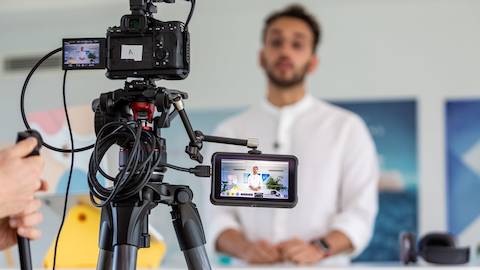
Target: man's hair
column 296, row 11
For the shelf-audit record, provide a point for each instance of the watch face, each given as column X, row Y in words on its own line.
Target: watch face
column 322, row 245
column 325, row 244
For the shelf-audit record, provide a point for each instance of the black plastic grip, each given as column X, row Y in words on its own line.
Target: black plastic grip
column 31, row 133
column 24, row 243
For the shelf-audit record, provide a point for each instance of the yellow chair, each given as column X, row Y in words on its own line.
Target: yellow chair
column 78, row 245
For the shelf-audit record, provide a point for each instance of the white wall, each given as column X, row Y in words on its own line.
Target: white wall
column 424, row 49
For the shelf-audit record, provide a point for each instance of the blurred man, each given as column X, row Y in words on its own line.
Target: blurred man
column 19, row 181
column 254, row 179
column 82, row 55
column 338, row 170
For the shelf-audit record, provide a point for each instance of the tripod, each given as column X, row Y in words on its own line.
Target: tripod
column 124, row 228
column 124, row 215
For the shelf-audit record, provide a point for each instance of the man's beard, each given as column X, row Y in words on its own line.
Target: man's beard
column 286, row 84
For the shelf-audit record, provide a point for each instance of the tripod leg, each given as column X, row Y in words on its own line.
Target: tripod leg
column 189, row 229
column 197, row 258
column 104, row 260
column 128, row 232
column 125, row 257
column 105, row 243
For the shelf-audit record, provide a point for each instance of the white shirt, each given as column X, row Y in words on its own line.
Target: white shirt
column 337, row 174
column 255, row 180
column 82, row 57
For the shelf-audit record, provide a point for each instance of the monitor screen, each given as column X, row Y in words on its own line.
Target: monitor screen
column 83, row 54
column 254, row 179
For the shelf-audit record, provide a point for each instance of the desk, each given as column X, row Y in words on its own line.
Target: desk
column 354, row 267
column 178, row 262
column 357, row 266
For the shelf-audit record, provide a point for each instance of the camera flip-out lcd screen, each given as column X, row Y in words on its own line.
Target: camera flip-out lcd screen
column 254, row 180
column 84, row 53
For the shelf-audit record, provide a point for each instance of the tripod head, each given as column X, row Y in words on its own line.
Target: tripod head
column 138, row 102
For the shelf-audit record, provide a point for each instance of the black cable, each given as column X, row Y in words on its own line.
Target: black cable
column 71, row 170
column 22, row 105
column 139, row 165
column 190, row 15
column 135, row 173
column 177, row 168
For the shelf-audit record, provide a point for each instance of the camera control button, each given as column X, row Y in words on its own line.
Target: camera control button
column 161, row 54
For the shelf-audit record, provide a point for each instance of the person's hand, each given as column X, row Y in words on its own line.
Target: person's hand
column 254, row 188
column 261, row 252
column 300, row 252
column 19, row 177
column 22, row 224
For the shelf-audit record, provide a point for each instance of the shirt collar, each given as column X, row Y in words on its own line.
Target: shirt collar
column 296, row 108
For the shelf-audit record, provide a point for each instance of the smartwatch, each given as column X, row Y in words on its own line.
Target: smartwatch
column 322, row 245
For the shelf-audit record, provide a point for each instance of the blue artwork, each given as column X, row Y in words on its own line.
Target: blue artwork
column 78, row 183
column 393, row 127
column 463, row 164
column 264, row 176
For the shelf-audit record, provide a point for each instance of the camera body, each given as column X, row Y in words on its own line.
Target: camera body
column 148, row 48
column 141, row 47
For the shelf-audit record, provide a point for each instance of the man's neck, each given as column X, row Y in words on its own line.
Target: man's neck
column 284, row 97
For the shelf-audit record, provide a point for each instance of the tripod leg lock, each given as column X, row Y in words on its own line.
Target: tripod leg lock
column 186, row 221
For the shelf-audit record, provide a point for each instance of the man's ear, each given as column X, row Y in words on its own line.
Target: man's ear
column 314, row 61
column 261, row 58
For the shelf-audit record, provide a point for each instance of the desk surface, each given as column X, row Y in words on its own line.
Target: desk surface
column 238, row 265
column 379, row 266
column 355, row 267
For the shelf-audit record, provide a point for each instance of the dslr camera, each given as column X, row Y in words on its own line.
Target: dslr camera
column 141, row 46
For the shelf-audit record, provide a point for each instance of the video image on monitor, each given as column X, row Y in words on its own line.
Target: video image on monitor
column 81, row 53
column 255, row 179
